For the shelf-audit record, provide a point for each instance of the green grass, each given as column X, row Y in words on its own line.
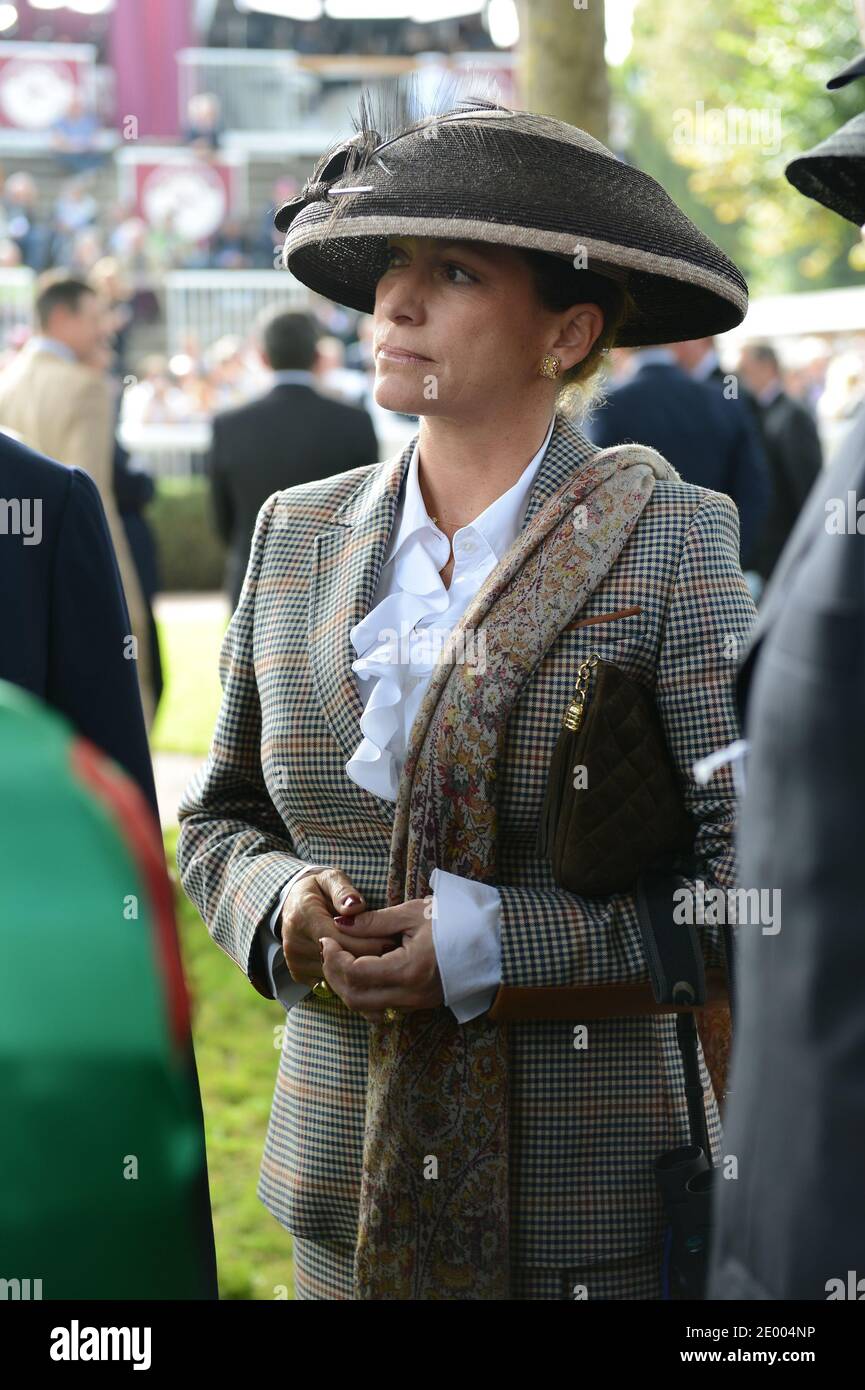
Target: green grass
column 192, row 694
column 233, row 1029
column 233, row 1026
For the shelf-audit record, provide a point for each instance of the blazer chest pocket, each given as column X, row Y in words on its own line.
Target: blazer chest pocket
column 615, row 634
column 608, row 633
column 613, row 625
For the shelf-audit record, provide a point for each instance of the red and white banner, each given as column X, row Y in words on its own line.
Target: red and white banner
column 178, row 192
column 38, row 82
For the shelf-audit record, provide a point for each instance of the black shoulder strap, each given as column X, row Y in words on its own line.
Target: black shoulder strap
column 676, row 970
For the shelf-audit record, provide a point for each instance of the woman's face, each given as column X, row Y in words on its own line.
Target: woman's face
column 471, row 310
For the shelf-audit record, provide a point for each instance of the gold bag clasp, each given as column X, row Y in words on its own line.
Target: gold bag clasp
column 576, row 709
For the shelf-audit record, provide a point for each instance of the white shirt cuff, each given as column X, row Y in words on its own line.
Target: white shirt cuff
column 466, row 928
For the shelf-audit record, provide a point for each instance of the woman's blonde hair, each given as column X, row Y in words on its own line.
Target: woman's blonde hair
column 558, row 285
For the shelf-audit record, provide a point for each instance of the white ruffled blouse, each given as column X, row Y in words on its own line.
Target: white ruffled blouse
column 397, row 645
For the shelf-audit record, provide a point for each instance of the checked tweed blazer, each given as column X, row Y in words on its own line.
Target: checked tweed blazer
column 586, row 1124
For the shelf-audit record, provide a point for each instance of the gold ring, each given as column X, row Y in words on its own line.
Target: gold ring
column 390, row 1014
column 322, row 989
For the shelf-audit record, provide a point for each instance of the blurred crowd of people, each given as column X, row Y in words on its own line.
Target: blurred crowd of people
column 75, row 230
column 77, row 226
column 828, row 381
column 741, row 431
column 64, row 387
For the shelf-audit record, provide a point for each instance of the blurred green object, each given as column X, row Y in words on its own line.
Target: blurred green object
column 103, row 1179
column 191, row 555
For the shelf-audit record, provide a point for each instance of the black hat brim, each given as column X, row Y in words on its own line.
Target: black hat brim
column 833, row 173
column 848, row 74
column 347, row 269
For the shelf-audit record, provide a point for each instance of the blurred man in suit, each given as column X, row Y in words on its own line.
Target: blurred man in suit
column 792, row 1224
column 792, row 448
column 693, row 426
column 63, row 619
column 290, row 435
column 56, row 403
column 699, row 358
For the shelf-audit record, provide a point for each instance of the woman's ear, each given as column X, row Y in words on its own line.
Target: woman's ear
column 580, row 330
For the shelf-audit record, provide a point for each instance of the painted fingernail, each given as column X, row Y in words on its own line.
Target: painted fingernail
column 344, row 921
column 321, row 948
column 347, row 902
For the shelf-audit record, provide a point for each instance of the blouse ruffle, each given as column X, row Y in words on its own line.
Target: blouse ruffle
column 397, row 645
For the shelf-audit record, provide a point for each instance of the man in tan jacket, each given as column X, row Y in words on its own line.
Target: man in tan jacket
column 59, row 405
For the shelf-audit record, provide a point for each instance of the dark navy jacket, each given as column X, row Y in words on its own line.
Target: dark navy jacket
column 63, row 617
column 709, row 440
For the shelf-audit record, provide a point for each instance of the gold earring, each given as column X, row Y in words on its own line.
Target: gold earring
column 549, row 366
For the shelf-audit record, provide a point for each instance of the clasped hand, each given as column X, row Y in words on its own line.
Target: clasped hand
column 374, row 959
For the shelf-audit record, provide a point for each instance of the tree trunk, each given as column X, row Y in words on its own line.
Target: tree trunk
column 561, row 66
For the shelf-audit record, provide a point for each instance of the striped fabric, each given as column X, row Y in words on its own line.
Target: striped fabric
column 586, row 1124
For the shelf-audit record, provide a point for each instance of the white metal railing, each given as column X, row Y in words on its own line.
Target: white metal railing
column 258, row 89
column 168, row 451
column 180, row 450
column 292, row 93
column 206, row 304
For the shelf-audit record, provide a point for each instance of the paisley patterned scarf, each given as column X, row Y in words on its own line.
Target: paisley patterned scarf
column 434, row 1213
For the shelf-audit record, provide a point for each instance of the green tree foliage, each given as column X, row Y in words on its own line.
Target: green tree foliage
column 721, row 95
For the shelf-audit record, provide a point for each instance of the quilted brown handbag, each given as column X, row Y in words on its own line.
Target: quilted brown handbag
column 613, row 806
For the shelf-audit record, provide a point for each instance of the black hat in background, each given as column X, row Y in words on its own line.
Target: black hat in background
column 852, row 70
column 833, row 173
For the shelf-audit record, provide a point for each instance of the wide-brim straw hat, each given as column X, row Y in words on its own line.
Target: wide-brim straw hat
column 833, row 173
column 479, row 170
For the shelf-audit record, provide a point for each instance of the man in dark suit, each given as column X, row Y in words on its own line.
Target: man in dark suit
column 291, row 435
column 792, row 448
column 699, row 358
column 704, row 436
column 64, row 625
column 64, row 636
column 790, row 1223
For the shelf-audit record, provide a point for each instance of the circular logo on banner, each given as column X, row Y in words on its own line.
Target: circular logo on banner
column 34, row 95
column 189, row 199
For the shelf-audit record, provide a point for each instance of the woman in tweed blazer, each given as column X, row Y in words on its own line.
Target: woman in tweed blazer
column 274, row 804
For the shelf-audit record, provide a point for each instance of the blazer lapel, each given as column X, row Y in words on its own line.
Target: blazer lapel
column 567, row 451
column 346, row 561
